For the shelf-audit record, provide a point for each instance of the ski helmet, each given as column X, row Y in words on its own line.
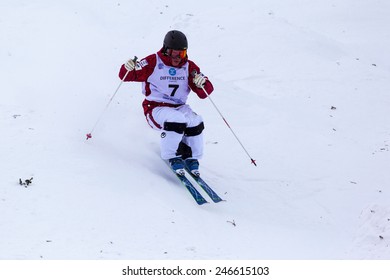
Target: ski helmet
column 175, row 40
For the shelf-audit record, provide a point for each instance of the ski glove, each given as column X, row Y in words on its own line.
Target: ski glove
column 130, row 65
column 199, row 80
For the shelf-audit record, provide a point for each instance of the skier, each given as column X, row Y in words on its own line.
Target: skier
column 168, row 77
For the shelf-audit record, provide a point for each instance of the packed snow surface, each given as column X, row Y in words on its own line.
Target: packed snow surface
column 304, row 84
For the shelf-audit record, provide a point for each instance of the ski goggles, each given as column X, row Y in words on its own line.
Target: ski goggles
column 177, row 53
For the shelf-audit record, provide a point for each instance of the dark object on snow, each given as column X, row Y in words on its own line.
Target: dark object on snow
column 26, row 182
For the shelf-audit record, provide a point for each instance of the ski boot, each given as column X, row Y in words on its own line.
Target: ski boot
column 192, row 165
column 177, row 165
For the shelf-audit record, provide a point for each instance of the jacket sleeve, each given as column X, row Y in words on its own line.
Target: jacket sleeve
column 143, row 69
column 193, row 69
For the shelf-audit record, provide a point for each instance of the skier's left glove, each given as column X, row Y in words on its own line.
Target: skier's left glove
column 199, row 80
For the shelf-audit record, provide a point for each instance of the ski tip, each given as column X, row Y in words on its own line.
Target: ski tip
column 202, row 202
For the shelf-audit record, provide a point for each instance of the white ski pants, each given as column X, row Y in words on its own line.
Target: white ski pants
column 170, row 140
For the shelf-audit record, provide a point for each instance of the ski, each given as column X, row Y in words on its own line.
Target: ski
column 199, row 199
column 210, row 192
column 193, row 191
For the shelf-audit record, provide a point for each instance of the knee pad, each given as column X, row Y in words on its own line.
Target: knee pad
column 176, row 127
column 195, row 130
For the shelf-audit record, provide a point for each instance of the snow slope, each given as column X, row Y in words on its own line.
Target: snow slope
column 303, row 83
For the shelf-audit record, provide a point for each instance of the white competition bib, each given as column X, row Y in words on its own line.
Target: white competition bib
column 168, row 84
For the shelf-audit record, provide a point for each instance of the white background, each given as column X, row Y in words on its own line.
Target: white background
column 304, row 84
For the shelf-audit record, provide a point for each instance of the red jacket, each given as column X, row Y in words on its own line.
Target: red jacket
column 141, row 74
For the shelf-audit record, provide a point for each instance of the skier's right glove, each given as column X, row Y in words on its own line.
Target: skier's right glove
column 130, row 65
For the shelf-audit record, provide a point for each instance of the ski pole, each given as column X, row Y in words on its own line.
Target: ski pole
column 89, row 135
column 253, row 161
